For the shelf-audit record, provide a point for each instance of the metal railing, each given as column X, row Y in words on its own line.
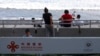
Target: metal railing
column 57, row 28
column 89, row 23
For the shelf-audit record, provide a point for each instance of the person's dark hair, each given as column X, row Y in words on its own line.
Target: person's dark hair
column 27, row 30
column 66, row 11
column 33, row 18
column 46, row 10
column 78, row 16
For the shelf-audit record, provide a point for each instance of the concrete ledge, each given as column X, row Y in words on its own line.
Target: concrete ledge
column 62, row 32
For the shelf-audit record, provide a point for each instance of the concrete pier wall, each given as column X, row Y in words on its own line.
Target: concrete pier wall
column 62, row 32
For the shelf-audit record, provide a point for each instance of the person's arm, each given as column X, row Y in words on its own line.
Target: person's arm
column 42, row 18
column 51, row 21
column 61, row 18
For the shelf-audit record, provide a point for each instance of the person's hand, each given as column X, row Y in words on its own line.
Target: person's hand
column 59, row 18
column 51, row 25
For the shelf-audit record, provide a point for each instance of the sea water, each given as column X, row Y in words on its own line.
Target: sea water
column 17, row 14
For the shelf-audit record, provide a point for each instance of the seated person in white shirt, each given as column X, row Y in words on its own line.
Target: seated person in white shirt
column 78, row 22
column 27, row 33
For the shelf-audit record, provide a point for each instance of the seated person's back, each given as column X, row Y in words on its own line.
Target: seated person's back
column 66, row 19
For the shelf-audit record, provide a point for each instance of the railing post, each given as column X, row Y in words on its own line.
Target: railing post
column 58, row 27
column 3, row 23
column 79, row 29
column 90, row 23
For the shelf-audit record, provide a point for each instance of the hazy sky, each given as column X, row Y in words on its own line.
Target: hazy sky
column 52, row 4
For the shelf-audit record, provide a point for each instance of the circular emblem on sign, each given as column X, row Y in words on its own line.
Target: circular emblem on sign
column 88, row 44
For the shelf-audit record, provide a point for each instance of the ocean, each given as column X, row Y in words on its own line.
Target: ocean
column 17, row 14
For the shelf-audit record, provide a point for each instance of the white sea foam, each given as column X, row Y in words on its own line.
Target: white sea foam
column 52, row 4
